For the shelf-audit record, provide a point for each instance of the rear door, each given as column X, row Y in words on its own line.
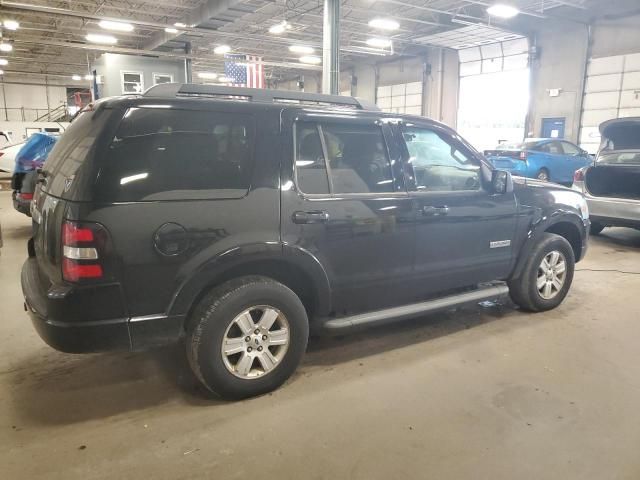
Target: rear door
column 464, row 233
column 553, row 159
column 344, row 201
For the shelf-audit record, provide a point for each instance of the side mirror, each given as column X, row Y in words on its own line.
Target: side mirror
column 501, row 182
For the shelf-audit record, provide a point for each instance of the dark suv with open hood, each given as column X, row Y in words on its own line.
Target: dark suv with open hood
column 238, row 220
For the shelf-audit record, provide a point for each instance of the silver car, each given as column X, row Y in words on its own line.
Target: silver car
column 612, row 184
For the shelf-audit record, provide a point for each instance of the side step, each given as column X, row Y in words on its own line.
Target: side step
column 394, row 314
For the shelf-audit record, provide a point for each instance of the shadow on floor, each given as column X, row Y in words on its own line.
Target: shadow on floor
column 57, row 389
column 621, row 237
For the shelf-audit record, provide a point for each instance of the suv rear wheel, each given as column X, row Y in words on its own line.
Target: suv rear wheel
column 546, row 277
column 246, row 337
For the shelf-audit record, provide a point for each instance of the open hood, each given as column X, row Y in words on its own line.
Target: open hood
column 620, row 134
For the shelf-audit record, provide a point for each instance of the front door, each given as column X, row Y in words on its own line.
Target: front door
column 347, row 205
column 464, row 233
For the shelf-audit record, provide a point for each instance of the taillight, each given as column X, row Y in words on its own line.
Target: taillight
column 25, row 196
column 578, row 175
column 81, row 248
column 523, row 155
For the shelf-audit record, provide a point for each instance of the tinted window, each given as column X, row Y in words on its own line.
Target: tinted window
column 311, row 171
column 438, row 164
column 178, row 154
column 554, row 148
column 357, row 157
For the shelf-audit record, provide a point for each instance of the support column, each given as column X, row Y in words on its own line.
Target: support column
column 331, row 47
column 188, row 78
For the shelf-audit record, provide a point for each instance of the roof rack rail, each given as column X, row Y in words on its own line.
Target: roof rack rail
column 168, row 90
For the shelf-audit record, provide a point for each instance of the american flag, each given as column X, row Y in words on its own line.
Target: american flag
column 244, row 70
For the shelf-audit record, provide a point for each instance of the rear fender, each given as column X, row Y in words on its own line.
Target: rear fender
column 244, row 258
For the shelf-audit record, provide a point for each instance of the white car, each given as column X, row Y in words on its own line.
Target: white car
column 8, row 157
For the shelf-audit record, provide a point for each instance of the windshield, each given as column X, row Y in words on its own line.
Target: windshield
column 620, row 158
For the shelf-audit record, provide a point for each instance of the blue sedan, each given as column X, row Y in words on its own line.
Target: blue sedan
column 547, row 159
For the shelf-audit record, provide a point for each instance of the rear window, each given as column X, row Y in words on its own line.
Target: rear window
column 178, row 155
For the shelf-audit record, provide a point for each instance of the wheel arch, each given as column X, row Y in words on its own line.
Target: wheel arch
column 292, row 266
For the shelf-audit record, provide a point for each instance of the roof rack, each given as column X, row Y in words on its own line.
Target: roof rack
column 169, row 90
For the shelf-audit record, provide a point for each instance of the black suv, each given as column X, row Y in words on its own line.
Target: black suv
column 238, row 220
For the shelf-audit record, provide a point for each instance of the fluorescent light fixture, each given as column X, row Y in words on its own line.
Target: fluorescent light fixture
column 310, row 59
column 1, row 72
column 180, row 25
column 224, row 79
column 208, row 75
column 11, row 24
column 384, row 24
column 502, row 10
column 301, row 49
column 116, row 26
column 77, row 78
column 88, row 77
column 4, row 61
column 97, row 38
column 171, row 30
column 379, row 42
column 133, row 178
column 222, row 49
column 5, row 47
column 279, row 28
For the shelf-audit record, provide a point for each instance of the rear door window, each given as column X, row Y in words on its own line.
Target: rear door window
column 178, row 155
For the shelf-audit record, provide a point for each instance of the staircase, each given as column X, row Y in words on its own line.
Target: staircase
column 58, row 114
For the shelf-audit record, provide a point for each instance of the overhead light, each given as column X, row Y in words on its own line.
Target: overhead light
column 224, row 79
column 301, row 49
column 88, row 77
column 311, row 59
column 77, row 78
column 279, row 28
column 503, row 10
column 1, row 72
column 5, row 47
column 116, row 26
column 384, row 24
column 4, row 61
column 222, row 49
column 171, row 30
column 208, row 75
column 11, row 24
column 97, row 38
column 379, row 42
column 180, row 25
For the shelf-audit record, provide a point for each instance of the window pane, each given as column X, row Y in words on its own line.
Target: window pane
column 162, row 79
column 311, row 171
column 437, row 164
column 570, row 149
column 358, row 161
column 132, row 77
column 177, row 155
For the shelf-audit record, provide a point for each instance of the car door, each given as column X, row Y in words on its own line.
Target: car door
column 464, row 232
column 344, row 202
column 555, row 161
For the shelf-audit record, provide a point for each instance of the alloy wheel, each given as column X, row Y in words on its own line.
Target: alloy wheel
column 551, row 275
column 255, row 342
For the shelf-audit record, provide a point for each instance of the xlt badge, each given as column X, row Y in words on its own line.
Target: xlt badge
column 500, row 244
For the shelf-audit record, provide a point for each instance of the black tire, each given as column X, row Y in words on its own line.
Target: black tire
column 523, row 290
column 214, row 314
column 543, row 175
column 596, row 228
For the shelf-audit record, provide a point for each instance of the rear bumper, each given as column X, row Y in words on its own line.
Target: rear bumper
column 50, row 317
column 23, row 206
column 614, row 211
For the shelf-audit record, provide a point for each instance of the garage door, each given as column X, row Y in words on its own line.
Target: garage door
column 612, row 90
column 401, row 98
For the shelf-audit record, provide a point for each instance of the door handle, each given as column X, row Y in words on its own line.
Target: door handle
column 316, row 216
column 430, row 211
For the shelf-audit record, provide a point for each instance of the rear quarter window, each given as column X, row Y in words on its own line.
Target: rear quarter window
column 178, row 155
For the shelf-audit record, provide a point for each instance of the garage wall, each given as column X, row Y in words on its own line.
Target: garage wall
column 110, row 65
column 18, row 98
column 560, row 64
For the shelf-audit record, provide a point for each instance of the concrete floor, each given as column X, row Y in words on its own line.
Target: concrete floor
column 481, row 393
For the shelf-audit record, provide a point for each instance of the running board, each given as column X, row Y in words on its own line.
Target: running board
column 395, row 314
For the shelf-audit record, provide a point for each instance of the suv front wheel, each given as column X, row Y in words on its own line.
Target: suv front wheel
column 246, row 337
column 547, row 275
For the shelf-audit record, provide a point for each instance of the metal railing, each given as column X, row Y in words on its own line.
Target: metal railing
column 25, row 114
